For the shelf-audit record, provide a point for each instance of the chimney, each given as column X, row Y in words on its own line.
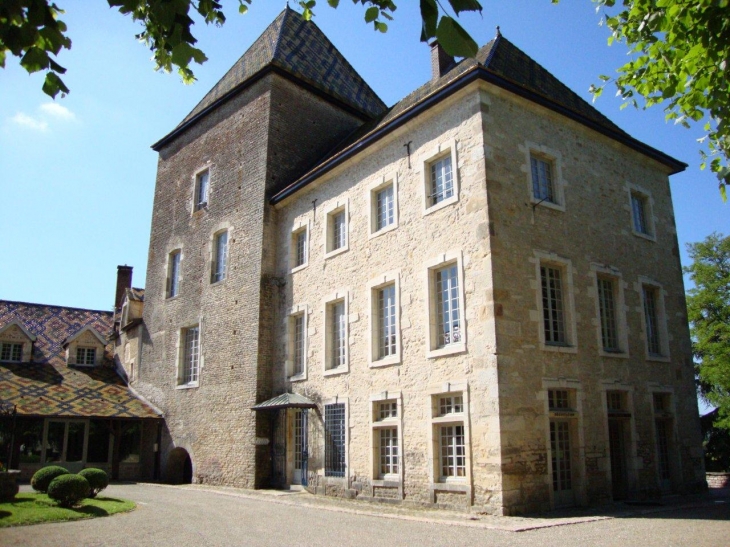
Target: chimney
column 440, row 61
column 124, row 281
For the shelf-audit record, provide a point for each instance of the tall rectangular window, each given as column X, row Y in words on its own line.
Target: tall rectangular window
column 338, row 335
column 190, row 356
column 300, row 246
column 638, row 211
column 386, row 322
column 453, row 451
column 651, row 319
column 339, row 234
column 607, row 311
column 334, row 446
column 85, row 356
column 220, row 257
column 201, row 189
column 442, row 182
column 388, row 451
column 299, row 344
column 11, row 352
column 552, row 306
column 542, row 179
column 447, row 305
column 385, row 212
column 173, row 274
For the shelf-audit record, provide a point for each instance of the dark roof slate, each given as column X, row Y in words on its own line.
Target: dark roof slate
column 300, row 48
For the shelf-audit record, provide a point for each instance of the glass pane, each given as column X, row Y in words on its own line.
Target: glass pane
column 54, row 447
column 75, row 444
column 129, row 446
column 98, row 451
column 29, row 434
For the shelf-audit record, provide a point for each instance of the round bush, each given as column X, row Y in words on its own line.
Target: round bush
column 44, row 476
column 68, row 490
column 97, row 478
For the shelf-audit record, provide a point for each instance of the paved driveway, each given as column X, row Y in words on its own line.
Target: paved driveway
column 193, row 516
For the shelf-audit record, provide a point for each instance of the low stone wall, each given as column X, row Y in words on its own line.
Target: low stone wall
column 718, row 480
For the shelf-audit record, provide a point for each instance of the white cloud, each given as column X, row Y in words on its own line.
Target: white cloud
column 29, row 122
column 55, row 110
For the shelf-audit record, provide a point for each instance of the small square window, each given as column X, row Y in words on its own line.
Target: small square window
column 220, row 257
column 189, row 356
column 616, row 401
column 173, row 273
column 202, row 185
column 86, row 356
column 387, row 410
column 440, row 178
column 451, row 404
column 11, row 352
column 559, row 399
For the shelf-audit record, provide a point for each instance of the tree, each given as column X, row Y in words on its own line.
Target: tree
column 680, row 57
column 708, row 306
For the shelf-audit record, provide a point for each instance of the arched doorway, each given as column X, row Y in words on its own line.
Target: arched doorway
column 179, row 467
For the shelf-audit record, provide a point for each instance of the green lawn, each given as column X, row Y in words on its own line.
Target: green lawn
column 32, row 508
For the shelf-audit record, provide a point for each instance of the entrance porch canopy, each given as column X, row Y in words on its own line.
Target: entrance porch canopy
column 285, row 400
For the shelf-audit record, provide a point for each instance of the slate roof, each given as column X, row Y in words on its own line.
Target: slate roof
column 285, row 400
column 47, row 387
column 301, row 49
column 503, row 64
column 135, row 294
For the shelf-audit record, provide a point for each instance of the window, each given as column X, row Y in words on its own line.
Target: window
column 220, row 257
column 450, row 434
column 336, row 333
column 202, row 185
column 651, row 320
column 297, row 343
column 190, row 361
column 543, row 188
column 453, row 451
column 386, row 322
column 642, row 220
column 559, row 399
column 336, row 237
column 446, row 302
column 552, row 305
column 451, row 404
column 442, row 181
column 173, row 274
column 85, row 356
column 10, row 351
column 300, row 248
column 335, row 441
column 607, row 312
column 384, row 203
column 386, row 433
column 388, row 451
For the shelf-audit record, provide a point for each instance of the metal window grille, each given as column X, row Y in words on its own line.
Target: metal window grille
column 298, row 438
column 542, row 180
column 615, row 400
column 221, row 257
column 301, row 245
column 339, row 233
column 386, row 321
column 447, row 306
column 453, row 451
column 85, row 356
column 388, row 409
column 662, row 439
column 11, row 352
column 339, row 335
column 558, row 399
column 385, row 212
column 607, row 309
column 451, row 404
column 560, row 448
column 552, row 305
column 201, row 194
column 334, row 448
column 389, row 451
column 298, row 344
column 650, row 316
column 191, row 355
column 174, row 274
column 442, row 182
column 638, row 208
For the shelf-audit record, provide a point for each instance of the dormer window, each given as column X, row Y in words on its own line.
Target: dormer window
column 86, row 356
column 11, row 352
column 16, row 343
column 85, row 348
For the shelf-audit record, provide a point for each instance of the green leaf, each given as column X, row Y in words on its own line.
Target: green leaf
column 371, row 14
column 382, row 27
column 53, row 85
column 35, row 59
column 465, row 5
column 454, row 39
column 429, row 18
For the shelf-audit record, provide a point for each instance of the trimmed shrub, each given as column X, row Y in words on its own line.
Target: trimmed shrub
column 68, row 490
column 97, row 478
column 44, row 476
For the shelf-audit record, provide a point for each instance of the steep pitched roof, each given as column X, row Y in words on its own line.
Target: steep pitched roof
column 301, row 49
column 503, row 64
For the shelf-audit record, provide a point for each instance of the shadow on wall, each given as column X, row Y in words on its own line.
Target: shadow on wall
column 179, row 469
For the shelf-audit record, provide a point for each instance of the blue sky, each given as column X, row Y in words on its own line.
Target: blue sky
column 78, row 173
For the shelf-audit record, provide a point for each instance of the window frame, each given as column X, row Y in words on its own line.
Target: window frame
column 217, row 275
column 339, row 297
column 436, row 154
column 377, row 424
column 13, row 346
column 333, row 210
column 86, row 351
column 611, row 274
column 373, row 191
column 647, row 201
column 437, row 423
column 374, row 288
column 444, row 260
column 183, row 356
column 296, row 312
column 660, row 318
column 170, row 270
column 301, row 227
column 555, row 160
column 346, row 437
column 565, row 266
column 199, row 205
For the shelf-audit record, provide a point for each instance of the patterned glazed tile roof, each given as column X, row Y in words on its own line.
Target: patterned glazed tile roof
column 300, row 48
column 47, row 387
column 505, row 61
